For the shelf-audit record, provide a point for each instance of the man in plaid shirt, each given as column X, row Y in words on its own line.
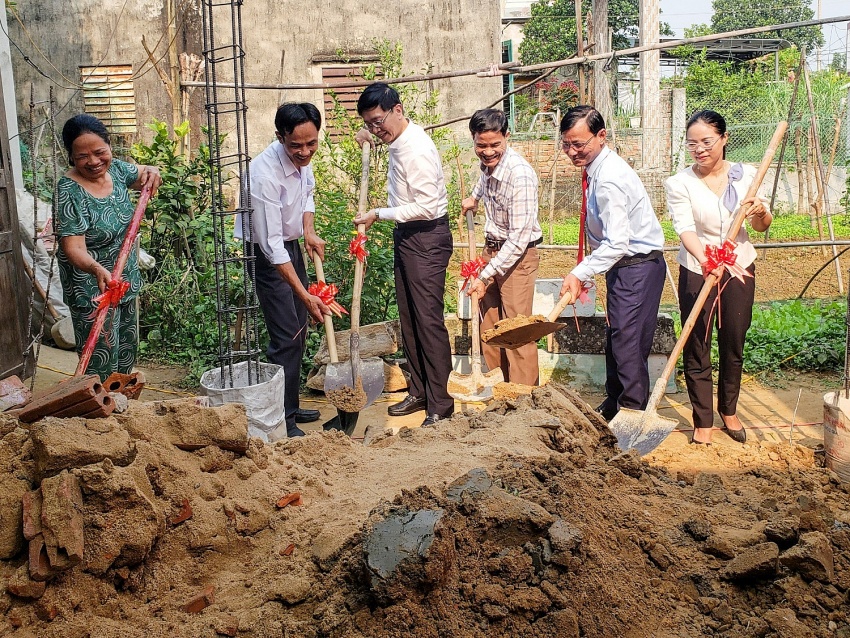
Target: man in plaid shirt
column 508, row 188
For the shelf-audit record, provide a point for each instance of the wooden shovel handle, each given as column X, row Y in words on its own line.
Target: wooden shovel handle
column 563, row 302
column 329, row 322
column 711, row 280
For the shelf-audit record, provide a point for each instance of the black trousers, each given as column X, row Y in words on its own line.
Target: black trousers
column 286, row 322
column 733, row 321
column 422, row 253
column 634, row 293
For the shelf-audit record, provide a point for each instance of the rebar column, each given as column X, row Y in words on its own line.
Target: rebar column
column 234, row 262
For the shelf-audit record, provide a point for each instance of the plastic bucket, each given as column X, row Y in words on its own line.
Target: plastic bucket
column 263, row 399
column 836, row 434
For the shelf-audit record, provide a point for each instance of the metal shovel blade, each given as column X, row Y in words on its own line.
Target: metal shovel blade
column 474, row 387
column 343, row 421
column 514, row 334
column 340, row 388
column 640, row 430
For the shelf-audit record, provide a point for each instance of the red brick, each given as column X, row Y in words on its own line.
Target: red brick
column 200, row 601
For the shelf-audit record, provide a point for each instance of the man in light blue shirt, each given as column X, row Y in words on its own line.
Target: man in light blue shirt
column 626, row 241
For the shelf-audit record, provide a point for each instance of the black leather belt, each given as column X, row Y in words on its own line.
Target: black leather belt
column 631, row 260
column 423, row 224
column 496, row 244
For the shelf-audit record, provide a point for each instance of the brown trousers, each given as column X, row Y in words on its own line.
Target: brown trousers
column 507, row 296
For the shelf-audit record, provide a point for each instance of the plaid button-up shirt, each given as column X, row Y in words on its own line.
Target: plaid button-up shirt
column 509, row 194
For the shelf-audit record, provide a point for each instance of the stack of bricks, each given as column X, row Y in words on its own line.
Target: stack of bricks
column 78, row 396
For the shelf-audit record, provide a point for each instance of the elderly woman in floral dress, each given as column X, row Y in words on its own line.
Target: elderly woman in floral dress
column 93, row 214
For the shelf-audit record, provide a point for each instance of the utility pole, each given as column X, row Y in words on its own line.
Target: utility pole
column 650, row 84
column 601, row 86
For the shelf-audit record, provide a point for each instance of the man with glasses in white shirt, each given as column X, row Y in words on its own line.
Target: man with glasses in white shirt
column 626, row 241
column 281, row 184
column 505, row 285
column 418, row 205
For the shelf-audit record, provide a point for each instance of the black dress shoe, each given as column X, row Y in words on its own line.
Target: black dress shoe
column 306, row 416
column 294, row 432
column 739, row 436
column 606, row 411
column 408, row 406
column 432, row 419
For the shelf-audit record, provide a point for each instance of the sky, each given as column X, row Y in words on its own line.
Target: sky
column 680, row 14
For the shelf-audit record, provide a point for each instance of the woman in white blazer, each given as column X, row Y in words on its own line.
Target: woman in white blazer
column 702, row 200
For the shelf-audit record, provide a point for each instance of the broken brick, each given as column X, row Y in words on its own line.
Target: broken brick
column 184, row 514
column 22, row 586
column 293, row 499
column 201, row 601
column 286, row 551
column 32, row 514
column 38, row 562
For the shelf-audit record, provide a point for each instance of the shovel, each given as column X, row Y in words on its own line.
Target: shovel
column 345, row 421
column 475, row 386
column 517, row 331
column 352, row 387
column 644, row 430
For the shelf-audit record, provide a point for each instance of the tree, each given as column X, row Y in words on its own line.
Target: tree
column 550, row 33
column 732, row 15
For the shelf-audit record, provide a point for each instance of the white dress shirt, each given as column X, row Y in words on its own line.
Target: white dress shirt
column 509, row 194
column 280, row 195
column 695, row 207
column 416, row 186
column 620, row 218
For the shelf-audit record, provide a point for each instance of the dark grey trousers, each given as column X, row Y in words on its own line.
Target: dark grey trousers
column 286, row 321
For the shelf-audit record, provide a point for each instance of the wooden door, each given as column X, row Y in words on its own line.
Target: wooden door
column 15, row 289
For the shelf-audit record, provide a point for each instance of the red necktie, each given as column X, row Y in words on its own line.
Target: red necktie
column 583, row 218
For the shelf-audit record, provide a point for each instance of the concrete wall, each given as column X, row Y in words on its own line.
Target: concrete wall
column 280, row 40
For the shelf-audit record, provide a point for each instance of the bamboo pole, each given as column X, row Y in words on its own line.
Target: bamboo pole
column 790, row 120
column 811, row 181
column 580, row 53
column 820, row 176
column 516, row 67
column 554, row 179
column 801, row 174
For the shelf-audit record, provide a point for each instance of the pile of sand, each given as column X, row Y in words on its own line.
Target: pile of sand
column 534, row 524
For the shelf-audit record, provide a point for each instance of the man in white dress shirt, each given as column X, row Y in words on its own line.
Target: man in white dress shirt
column 282, row 183
column 508, row 187
column 418, row 205
column 626, row 241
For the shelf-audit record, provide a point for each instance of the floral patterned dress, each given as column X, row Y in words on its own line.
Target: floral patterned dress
column 103, row 221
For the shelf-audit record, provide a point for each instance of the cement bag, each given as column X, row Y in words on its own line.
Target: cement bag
column 263, row 400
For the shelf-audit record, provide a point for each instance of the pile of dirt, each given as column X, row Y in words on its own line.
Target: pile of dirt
column 521, row 519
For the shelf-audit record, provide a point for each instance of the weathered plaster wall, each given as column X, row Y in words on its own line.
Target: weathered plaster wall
column 447, row 34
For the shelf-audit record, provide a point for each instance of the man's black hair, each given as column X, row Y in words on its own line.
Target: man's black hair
column 486, row 120
column 375, row 95
column 593, row 118
column 292, row 114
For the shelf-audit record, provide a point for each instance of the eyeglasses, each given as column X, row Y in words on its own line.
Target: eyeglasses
column 706, row 145
column 577, row 147
column 372, row 126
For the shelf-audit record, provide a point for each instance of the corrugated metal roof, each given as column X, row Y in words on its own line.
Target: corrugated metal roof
column 108, row 94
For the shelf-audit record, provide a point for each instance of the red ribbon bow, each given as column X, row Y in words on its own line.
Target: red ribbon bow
column 357, row 247
column 725, row 256
column 469, row 270
column 327, row 292
column 113, row 294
